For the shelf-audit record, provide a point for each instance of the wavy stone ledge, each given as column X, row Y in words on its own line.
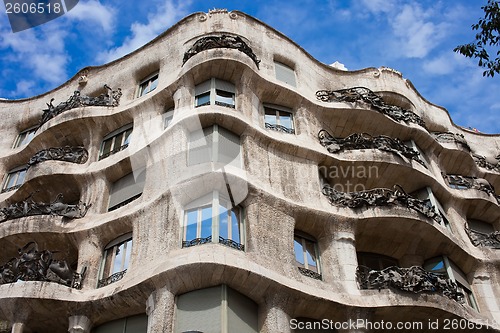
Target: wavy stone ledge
column 446, row 137
column 111, row 98
column 363, row 94
column 29, row 207
column 465, row 182
column 414, row 279
column 484, row 239
column 357, row 141
column 224, row 41
column 67, row 154
column 380, row 197
column 35, row 265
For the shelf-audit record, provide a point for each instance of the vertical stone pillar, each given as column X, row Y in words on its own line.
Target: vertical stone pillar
column 160, row 310
column 18, row 328
column 272, row 316
column 89, row 255
column 486, row 293
column 79, row 324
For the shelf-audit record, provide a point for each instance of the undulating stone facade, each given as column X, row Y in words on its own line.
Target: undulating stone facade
column 220, row 179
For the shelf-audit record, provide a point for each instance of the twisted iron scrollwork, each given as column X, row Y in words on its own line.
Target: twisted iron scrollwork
column 366, row 141
column 216, row 42
column 413, row 279
column 464, row 182
column 67, row 154
column 35, row 265
column 111, row 279
column 231, row 243
column 483, row 163
column 29, row 207
column 280, row 128
column 451, row 137
column 309, row 273
column 478, row 238
column 356, row 94
column 111, row 98
column 381, row 197
column 197, row 241
column 227, row 242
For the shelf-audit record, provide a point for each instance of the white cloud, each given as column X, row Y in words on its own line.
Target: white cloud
column 168, row 13
column 94, row 11
column 378, row 6
column 24, row 88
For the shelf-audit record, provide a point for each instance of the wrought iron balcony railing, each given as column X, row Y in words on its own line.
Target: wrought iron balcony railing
column 478, row 238
column 464, row 182
column 227, row 242
column 111, row 279
column 280, row 128
column 309, row 273
column 66, row 154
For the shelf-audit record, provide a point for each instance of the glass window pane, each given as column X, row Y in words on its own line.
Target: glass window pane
column 108, row 260
column 435, row 265
column 118, row 142
column 128, row 135
column 299, row 251
column 106, row 147
column 206, row 222
column 224, row 97
column 203, row 99
column 285, row 119
column 119, row 257
column 223, row 222
column 270, row 116
column 11, row 181
column 153, row 83
column 235, row 227
column 191, row 224
column 127, row 254
column 20, row 177
column 311, row 255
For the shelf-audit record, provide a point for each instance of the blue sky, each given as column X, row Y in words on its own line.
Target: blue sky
column 413, row 37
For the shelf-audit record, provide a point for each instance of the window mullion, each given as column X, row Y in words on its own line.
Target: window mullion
column 124, row 257
column 212, row 91
column 304, row 253
column 215, row 217
column 199, row 217
column 229, row 223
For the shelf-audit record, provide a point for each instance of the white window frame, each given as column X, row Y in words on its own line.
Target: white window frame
column 306, row 238
column 149, row 84
column 21, row 137
column 217, row 132
column 113, row 246
column 14, row 173
column 116, row 146
column 214, row 200
column 277, row 109
column 210, row 88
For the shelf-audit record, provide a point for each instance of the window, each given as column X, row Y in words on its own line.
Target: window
column 213, row 218
column 126, row 190
column 213, row 310
column 375, row 261
column 115, row 141
column 134, row 324
column 279, row 119
column 115, row 261
column 148, row 85
column 431, row 201
column 15, row 178
column 168, row 117
column 421, row 157
column 285, row 73
column 445, row 266
column 25, row 137
column 214, row 144
column 215, row 92
column 306, row 255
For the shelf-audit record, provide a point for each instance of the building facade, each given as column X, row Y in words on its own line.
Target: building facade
column 220, row 179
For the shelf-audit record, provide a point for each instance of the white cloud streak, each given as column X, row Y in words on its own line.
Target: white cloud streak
column 168, row 13
column 94, row 11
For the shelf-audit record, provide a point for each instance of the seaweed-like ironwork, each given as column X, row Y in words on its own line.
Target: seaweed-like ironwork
column 29, row 207
column 111, row 279
column 366, row 141
column 309, row 273
column 356, row 94
column 231, row 243
column 223, row 41
column 197, row 241
column 35, row 265
column 478, row 238
column 465, row 182
column 111, row 98
column 381, row 197
column 67, row 154
column 413, row 279
column 280, row 128
column 451, row 137
column 483, row 163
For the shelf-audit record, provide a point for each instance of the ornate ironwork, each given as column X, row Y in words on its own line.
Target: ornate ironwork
column 216, row 42
column 111, row 98
column 451, row 137
column 366, row 141
column 280, row 128
column 227, row 105
column 111, row 279
column 309, row 273
column 67, row 154
column 29, row 207
column 381, row 197
column 231, row 243
column 478, row 238
column 356, row 94
column 12, row 188
column 413, row 279
column 464, row 182
column 197, row 241
column 35, row 265
column 483, row 163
